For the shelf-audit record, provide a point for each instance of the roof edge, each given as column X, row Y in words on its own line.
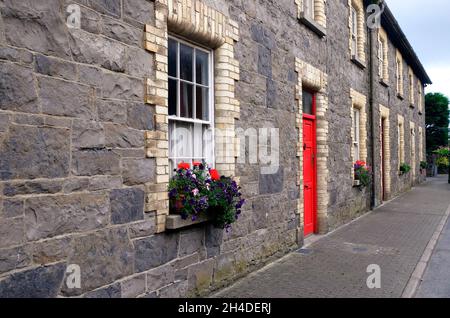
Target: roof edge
column 399, row 39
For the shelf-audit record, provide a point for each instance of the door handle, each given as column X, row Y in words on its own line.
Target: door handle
column 304, row 147
column 306, row 186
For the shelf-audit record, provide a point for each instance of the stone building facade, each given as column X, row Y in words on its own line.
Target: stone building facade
column 85, row 117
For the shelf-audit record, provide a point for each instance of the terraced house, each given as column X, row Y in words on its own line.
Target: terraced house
column 91, row 94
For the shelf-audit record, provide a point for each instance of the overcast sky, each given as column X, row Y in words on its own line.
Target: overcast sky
column 426, row 24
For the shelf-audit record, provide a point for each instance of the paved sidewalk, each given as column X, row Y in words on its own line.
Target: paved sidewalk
column 394, row 237
column 436, row 280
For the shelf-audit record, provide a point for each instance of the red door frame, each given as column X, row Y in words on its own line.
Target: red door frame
column 312, row 119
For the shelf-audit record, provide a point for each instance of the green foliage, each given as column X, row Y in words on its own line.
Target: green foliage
column 423, row 165
column 201, row 191
column 188, row 191
column 225, row 202
column 443, row 159
column 443, row 152
column 364, row 176
column 437, row 121
column 442, row 162
column 405, row 168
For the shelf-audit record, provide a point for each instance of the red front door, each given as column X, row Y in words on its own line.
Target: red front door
column 309, row 174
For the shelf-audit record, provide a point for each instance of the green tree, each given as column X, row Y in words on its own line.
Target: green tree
column 437, row 121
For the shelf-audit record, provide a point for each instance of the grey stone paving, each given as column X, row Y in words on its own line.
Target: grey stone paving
column 436, row 280
column 393, row 237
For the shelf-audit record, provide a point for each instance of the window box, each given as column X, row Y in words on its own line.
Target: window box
column 384, row 83
column 313, row 25
column 358, row 62
column 356, row 183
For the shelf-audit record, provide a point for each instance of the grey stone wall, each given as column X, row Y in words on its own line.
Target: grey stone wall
column 73, row 171
column 387, row 96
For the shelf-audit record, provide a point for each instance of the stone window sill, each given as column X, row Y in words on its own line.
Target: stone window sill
column 358, row 62
column 313, row 25
column 175, row 221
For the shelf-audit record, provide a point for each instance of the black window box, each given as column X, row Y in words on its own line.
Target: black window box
column 313, row 25
column 358, row 62
column 382, row 82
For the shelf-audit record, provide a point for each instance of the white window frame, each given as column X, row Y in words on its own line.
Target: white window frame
column 419, row 93
column 399, row 76
column 411, row 87
column 354, row 31
column 173, row 119
column 401, row 145
column 381, row 58
column 356, row 134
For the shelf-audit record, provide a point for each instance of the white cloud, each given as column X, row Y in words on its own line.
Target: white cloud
column 426, row 25
column 440, row 76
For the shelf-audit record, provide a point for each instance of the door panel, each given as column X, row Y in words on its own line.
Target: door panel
column 309, row 176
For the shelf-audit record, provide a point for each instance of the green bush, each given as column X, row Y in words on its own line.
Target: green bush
column 423, row 165
column 405, row 168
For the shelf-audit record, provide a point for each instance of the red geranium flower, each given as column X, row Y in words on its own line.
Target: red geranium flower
column 196, row 163
column 183, row 165
column 214, row 174
column 360, row 163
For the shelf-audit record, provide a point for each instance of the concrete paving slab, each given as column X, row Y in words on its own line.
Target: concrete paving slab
column 393, row 237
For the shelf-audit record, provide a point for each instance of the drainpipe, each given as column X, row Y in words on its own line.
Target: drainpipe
column 372, row 116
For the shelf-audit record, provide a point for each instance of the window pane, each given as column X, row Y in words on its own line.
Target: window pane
column 202, row 101
column 354, row 22
column 356, row 125
column 180, row 141
column 186, row 57
column 198, row 140
column 201, row 67
column 308, row 103
column 356, row 152
column 186, row 100
column 173, row 93
column 208, row 141
column 172, row 152
column 309, row 8
column 172, row 58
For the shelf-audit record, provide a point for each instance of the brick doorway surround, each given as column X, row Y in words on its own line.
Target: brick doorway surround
column 384, row 116
column 315, row 80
